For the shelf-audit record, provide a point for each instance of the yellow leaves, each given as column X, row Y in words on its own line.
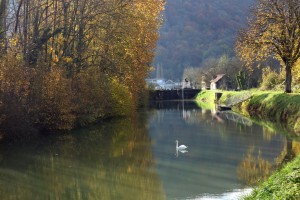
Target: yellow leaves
column 51, row 49
column 14, row 41
column 296, row 72
column 68, row 59
column 55, row 58
column 132, row 45
column 60, row 39
column 13, row 77
column 121, row 98
column 53, row 95
column 91, row 93
column 152, row 69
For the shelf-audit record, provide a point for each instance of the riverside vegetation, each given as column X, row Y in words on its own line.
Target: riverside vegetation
column 69, row 63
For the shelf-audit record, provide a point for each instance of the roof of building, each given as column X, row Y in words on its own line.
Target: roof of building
column 169, row 82
column 219, row 77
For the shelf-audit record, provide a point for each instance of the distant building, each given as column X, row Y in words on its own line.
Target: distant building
column 169, row 85
column 218, row 83
column 186, row 84
column 162, row 84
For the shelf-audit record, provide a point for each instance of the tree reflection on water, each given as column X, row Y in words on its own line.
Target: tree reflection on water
column 111, row 161
column 135, row 158
column 254, row 169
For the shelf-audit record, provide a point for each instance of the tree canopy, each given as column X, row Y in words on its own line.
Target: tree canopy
column 273, row 30
column 73, row 61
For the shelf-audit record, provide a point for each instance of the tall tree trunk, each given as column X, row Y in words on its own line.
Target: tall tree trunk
column 25, row 30
column 46, row 44
column 65, row 31
column 34, row 43
column 288, row 78
column 3, row 8
column 18, row 17
column 81, row 43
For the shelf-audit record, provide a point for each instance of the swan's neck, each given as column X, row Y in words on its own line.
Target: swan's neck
column 177, row 144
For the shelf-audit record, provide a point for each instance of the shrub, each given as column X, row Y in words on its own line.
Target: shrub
column 46, row 97
column 122, row 100
column 14, row 90
column 51, row 99
column 270, row 80
column 91, row 95
column 14, row 79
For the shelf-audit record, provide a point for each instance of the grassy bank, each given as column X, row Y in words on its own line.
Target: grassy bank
column 273, row 110
column 277, row 107
column 285, row 184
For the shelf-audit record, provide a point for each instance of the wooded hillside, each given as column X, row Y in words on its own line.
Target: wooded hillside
column 194, row 31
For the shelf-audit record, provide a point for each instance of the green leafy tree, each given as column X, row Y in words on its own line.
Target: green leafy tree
column 273, row 30
column 241, row 79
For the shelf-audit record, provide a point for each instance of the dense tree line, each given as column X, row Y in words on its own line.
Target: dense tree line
column 71, row 62
column 231, row 67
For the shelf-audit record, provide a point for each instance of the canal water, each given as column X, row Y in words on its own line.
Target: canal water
column 136, row 158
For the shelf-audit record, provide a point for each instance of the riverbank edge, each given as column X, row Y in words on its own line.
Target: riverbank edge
column 283, row 184
column 276, row 107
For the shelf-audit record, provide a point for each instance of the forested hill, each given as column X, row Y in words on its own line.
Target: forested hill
column 196, row 30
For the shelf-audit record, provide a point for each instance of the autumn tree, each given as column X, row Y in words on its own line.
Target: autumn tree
column 76, row 61
column 273, row 30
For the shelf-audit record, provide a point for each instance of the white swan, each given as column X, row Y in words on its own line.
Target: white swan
column 181, row 147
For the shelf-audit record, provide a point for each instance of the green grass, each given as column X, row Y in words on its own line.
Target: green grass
column 277, row 107
column 205, row 99
column 285, row 184
column 206, row 96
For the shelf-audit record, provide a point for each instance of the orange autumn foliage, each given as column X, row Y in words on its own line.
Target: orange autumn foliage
column 80, row 61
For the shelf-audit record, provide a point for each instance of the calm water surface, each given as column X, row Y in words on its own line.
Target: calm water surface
column 136, row 158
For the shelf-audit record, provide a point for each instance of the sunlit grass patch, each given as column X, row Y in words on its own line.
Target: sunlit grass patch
column 206, row 96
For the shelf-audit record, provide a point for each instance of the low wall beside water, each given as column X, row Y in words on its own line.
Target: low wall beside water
column 156, row 95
